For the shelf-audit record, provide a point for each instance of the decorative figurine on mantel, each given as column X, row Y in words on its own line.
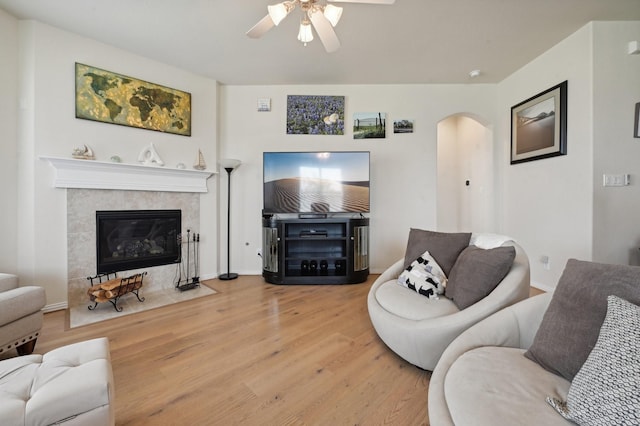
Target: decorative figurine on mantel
column 149, row 155
column 83, row 153
column 200, row 164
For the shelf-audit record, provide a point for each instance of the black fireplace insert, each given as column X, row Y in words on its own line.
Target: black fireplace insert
column 133, row 239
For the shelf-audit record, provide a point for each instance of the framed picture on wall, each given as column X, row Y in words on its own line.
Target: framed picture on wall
column 108, row 97
column 315, row 115
column 403, row 126
column 369, row 125
column 539, row 126
column 636, row 126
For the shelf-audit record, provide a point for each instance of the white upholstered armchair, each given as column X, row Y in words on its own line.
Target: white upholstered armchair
column 20, row 315
column 419, row 329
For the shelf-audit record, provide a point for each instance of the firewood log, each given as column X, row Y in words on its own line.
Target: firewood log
column 95, row 287
column 99, row 293
column 112, row 294
column 111, row 284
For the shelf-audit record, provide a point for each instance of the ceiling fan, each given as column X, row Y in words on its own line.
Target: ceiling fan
column 322, row 16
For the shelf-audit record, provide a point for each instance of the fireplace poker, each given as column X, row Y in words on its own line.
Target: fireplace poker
column 196, row 258
column 179, row 264
column 188, row 251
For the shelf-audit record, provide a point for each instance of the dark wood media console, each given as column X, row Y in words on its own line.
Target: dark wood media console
column 315, row 250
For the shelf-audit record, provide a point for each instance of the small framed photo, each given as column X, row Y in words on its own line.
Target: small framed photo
column 369, row 125
column 636, row 125
column 403, row 126
column 539, row 126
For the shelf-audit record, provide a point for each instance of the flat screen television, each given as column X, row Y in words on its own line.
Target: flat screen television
column 316, row 182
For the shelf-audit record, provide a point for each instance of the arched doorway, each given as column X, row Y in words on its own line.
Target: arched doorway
column 465, row 195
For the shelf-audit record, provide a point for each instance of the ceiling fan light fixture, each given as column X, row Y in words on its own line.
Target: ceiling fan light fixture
column 333, row 14
column 322, row 15
column 279, row 11
column 305, row 35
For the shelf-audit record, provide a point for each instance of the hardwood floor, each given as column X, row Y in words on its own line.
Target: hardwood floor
column 255, row 354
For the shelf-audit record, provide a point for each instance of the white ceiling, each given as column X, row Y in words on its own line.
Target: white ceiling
column 412, row 41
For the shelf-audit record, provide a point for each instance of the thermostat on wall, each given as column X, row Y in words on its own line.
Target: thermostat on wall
column 264, row 104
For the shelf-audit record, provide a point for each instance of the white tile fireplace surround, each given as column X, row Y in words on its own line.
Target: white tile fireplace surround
column 94, row 185
column 82, row 205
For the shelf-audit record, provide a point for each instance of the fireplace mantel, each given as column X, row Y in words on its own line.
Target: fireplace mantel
column 91, row 174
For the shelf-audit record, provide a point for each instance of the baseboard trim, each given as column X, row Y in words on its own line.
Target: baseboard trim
column 55, row 307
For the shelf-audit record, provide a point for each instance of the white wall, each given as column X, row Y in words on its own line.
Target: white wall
column 616, row 78
column 477, row 141
column 553, row 207
column 403, row 166
column 48, row 127
column 8, row 141
column 557, row 207
column 448, row 190
column 547, row 204
column 465, row 153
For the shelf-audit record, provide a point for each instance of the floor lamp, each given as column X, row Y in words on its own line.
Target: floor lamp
column 229, row 165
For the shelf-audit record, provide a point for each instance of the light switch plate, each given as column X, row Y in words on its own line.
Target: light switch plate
column 616, row 180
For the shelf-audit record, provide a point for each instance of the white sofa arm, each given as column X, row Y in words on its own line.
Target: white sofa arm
column 8, row 282
column 514, row 326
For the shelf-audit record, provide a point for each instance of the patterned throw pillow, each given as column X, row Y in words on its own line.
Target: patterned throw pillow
column 424, row 276
column 605, row 390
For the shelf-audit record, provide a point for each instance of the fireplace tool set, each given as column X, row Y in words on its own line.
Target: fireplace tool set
column 190, row 282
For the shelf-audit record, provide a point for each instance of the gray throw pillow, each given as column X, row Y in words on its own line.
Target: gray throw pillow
column 605, row 390
column 570, row 326
column 443, row 246
column 477, row 272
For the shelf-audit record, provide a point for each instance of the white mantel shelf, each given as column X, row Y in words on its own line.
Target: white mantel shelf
column 91, row 174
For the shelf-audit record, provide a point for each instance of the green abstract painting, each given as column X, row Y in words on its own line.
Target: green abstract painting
column 113, row 98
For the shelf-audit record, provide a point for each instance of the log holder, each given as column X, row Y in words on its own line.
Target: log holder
column 131, row 284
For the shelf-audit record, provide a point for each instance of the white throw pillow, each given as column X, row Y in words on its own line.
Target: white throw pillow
column 424, row 276
column 605, row 391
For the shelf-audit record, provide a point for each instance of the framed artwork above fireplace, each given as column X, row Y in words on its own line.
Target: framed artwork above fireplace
column 114, row 98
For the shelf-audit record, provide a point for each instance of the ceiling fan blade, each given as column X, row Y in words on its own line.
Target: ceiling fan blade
column 364, row 1
column 325, row 31
column 263, row 25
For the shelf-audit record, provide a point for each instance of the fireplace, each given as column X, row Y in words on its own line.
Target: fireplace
column 133, row 239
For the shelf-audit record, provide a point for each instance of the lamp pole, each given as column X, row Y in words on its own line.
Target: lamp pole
column 229, row 165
